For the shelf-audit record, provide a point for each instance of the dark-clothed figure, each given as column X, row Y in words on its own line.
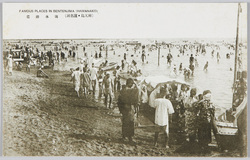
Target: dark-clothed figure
column 205, row 114
column 191, row 59
column 123, row 65
column 169, row 59
column 125, row 56
column 180, row 67
column 127, row 101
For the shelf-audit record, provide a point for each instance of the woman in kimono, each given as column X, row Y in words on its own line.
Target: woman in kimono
column 205, row 113
column 127, row 102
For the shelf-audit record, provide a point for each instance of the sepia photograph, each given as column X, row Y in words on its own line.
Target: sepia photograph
column 124, row 80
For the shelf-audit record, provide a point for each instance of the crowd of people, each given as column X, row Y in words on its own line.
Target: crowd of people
column 181, row 110
column 34, row 55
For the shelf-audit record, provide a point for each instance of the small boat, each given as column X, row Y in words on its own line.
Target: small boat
column 226, row 131
column 110, row 66
column 125, row 76
column 226, row 128
column 98, row 61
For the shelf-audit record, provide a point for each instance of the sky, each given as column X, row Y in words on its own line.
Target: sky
column 128, row 20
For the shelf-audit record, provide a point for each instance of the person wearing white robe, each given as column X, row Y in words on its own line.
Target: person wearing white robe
column 76, row 79
column 10, row 61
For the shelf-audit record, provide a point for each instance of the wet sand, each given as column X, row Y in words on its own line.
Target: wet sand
column 44, row 117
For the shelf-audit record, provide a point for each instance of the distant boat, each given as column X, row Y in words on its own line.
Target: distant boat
column 110, row 66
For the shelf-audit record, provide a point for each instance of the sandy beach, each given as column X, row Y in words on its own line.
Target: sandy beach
column 124, row 80
column 44, row 117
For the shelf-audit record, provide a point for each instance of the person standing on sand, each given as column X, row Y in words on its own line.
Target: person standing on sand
column 76, row 79
column 163, row 108
column 93, row 77
column 190, row 116
column 205, row 110
column 10, row 61
column 108, row 90
column 85, row 81
column 100, row 80
column 127, row 101
column 116, row 79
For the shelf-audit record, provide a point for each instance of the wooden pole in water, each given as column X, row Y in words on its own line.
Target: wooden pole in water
column 106, row 51
column 159, row 56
